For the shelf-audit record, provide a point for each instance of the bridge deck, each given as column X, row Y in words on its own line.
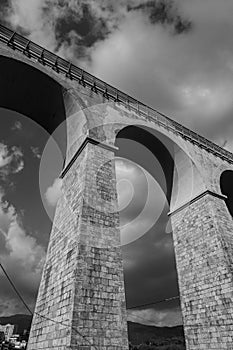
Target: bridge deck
column 47, row 58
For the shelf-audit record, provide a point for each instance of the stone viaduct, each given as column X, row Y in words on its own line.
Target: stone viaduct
column 81, row 299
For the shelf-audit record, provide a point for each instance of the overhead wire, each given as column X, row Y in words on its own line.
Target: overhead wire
column 154, row 303
column 42, row 316
column 129, row 308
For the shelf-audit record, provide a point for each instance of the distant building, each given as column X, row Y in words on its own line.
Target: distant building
column 8, row 330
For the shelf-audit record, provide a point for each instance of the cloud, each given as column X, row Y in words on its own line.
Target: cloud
column 152, row 317
column 165, row 13
column 23, row 247
column 21, row 256
column 83, row 23
column 71, row 27
column 36, row 152
column 140, row 197
column 66, row 27
column 11, row 160
column 174, row 55
column 10, row 306
column 126, row 174
column 17, row 163
column 7, row 213
column 17, row 125
column 53, row 192
column 187, row 76
column 29, row 17
column 178, row 60
column 149, row 265
column 5, row 159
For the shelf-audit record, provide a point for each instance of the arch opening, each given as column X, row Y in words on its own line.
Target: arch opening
column 226, row 181
column 32, row 93
column 31, row 109
column 149, row 261
column 150, row 145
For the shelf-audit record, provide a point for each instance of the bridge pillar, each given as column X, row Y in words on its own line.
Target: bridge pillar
column 81, row 300
column 203, row 241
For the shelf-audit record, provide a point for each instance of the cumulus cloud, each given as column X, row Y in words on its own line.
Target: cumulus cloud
column 21, row 256
column 126, row 175
column 149, row 265
column 17, row 125
column 152, row 317
column 174, row 55
column 178, row 60
column 23, row 248
column 71, row 27
column 65, row 27
column 132, row 182
column 29, row 17
column 36, row 152
column 188, row 76
column 11, row 160
column 165, row 13
column 53, row 192
column 7, row 213
column 5, row 159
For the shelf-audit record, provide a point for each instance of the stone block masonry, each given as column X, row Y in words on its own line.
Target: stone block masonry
column 81, row 300
column 203, row 257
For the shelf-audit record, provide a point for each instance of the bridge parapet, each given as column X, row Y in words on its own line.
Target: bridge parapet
column 60, row 65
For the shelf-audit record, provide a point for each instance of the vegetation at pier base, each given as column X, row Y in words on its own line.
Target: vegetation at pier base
column 162, row 346
column 143, row 337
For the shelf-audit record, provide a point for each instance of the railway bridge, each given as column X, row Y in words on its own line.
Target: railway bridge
column 81, row 299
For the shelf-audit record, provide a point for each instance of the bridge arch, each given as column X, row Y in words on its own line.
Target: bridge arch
column 157, row 154
column 92, row 239
column 41, row 94
column 226, row 181
column 82, row 265
column 106, row 122
column 34, row 94
column 31, row 92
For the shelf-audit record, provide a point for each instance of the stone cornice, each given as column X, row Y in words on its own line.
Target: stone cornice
column 194, row 199
column 83, row 145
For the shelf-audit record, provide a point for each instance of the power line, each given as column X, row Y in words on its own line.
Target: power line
column 15, row 289
column 66, row 325
column 45, row 317
column 154, row 303
column 130, row 308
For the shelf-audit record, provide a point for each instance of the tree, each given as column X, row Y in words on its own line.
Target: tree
column 2, row 336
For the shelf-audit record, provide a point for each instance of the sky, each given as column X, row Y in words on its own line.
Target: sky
column 176, row 56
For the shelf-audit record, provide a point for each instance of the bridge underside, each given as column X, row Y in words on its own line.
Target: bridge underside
column 32, row 93
column 81, row 301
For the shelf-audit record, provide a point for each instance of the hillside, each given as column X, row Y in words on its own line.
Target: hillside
column 138, row 333
column 22, row 321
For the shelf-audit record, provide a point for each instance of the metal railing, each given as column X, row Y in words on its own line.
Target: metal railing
column 60, row 65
